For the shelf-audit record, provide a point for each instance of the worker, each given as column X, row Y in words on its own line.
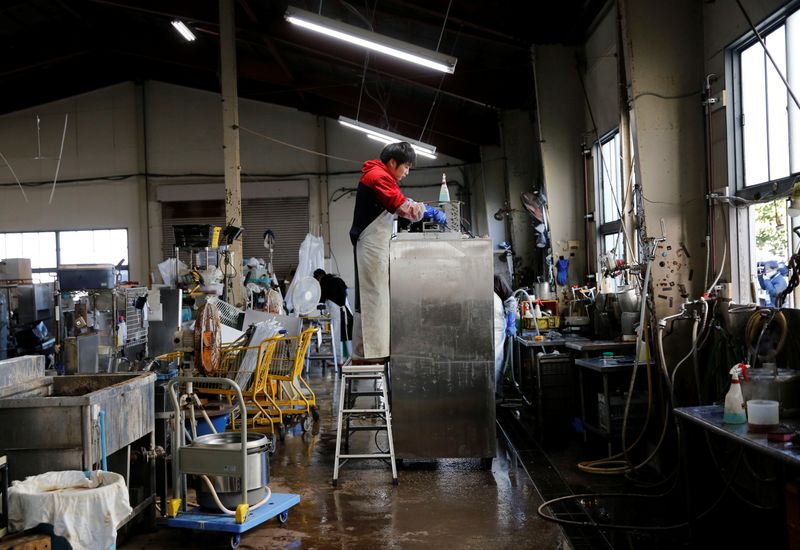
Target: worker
column 772, row 281
column 334, row 296
column 505, row 328
column 378, row 200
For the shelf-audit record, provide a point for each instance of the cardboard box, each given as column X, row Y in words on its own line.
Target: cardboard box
column 26, row 542
column 15, row 269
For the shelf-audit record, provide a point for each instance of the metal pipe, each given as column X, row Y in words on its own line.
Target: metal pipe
column 102, row 419
column 203, row 412
column 86, row 436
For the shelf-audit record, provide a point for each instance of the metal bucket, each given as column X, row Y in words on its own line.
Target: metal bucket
column 229, row 489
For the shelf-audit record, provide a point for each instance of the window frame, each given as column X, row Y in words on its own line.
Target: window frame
column 739, row 223
column 57, row 232
column 613, row 227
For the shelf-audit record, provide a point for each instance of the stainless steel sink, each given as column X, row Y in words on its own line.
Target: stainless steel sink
column 58, row 428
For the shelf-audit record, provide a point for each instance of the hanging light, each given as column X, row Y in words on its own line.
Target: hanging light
column 371, row 40
column 183, row 30
column 384, row 136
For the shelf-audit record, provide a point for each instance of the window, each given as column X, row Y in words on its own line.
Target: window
column 610, row 201
column 49, row 249
column 766, row 134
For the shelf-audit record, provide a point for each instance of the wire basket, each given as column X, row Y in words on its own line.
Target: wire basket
column 245, row 365
column 282, row 362
column 229, row 314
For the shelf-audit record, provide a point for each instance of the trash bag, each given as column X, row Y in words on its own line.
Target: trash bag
column 311, row 258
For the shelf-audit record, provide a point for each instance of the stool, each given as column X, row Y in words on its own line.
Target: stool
column 348, row 410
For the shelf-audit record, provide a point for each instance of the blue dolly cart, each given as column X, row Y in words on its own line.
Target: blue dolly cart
column 205, row 460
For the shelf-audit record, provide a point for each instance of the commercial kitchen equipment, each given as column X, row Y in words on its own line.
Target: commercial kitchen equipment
column 442, row 350
column 78, row 422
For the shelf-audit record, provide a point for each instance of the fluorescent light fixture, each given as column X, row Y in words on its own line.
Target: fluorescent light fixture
column 423, row 149
column 184, row 30
column 371, row 40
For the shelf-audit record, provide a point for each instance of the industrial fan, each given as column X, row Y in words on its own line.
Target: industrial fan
column 207, row 339
column 305, row 295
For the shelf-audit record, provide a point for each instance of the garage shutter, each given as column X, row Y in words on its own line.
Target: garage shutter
column 287, row 217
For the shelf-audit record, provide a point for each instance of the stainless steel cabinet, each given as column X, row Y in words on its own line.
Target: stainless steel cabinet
column 442, row 358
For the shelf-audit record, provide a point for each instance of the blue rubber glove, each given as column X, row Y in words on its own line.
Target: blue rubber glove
column 434, row 214
column 562, row 268
column 511, row 326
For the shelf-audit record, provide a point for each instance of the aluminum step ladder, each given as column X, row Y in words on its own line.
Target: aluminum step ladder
column 348, row 395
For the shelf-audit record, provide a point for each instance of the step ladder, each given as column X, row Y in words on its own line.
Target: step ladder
column 348, row 410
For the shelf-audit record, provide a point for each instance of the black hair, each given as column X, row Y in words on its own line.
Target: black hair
column 319, row 273
column 401, row 152
column 501, row 287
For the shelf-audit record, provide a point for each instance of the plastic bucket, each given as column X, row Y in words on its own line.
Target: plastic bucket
column 218, row 414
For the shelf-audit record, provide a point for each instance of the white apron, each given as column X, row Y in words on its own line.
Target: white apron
column 336, row 312
column 371, row 326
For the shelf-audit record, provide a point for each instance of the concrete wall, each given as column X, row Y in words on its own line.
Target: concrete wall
column 175, row 134
column 100, row 142
column 663, row 49
column 561, row 105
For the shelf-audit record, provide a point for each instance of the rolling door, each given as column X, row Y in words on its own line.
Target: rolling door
column 287, row 217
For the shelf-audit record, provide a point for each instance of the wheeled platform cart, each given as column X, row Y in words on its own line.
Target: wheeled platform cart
column 232, row 468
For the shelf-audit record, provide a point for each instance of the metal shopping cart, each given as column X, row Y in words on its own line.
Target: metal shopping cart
column 288, row 393
column 248, row 366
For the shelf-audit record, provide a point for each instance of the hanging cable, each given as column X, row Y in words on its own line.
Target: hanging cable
column 441, row 79
column 15, row 176
column 60, row 155
column 297, row 147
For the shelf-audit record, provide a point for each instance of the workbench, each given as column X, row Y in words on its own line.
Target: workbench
column 542, row 372
column 585, row 347
column 709, row 419
column 604, row 367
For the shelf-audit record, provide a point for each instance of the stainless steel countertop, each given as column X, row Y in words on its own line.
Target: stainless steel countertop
column 433, row 236
column 598, row 345
column 609, row 364
column 709, row 417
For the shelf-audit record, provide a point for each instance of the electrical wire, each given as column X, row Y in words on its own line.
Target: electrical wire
column 15, row 176
column 661, row 96
column 297, row 147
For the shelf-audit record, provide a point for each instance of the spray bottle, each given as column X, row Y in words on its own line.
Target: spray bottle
column 444, row 192
column 734, row 401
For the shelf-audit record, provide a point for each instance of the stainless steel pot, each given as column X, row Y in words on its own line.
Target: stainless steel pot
column 542, row 291
column 229, row 489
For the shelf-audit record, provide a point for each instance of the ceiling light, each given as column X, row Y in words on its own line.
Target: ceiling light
column 371, row 40
column 423, row 149
column 184, row 30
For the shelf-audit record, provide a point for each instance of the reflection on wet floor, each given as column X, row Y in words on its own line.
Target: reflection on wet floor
column 443, row 504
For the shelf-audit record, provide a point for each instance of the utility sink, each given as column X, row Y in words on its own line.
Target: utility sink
column 57, row 426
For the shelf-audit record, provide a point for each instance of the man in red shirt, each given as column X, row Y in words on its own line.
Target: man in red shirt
column 378, row 200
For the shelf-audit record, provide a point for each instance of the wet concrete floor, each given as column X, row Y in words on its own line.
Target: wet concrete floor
column 451, row 504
